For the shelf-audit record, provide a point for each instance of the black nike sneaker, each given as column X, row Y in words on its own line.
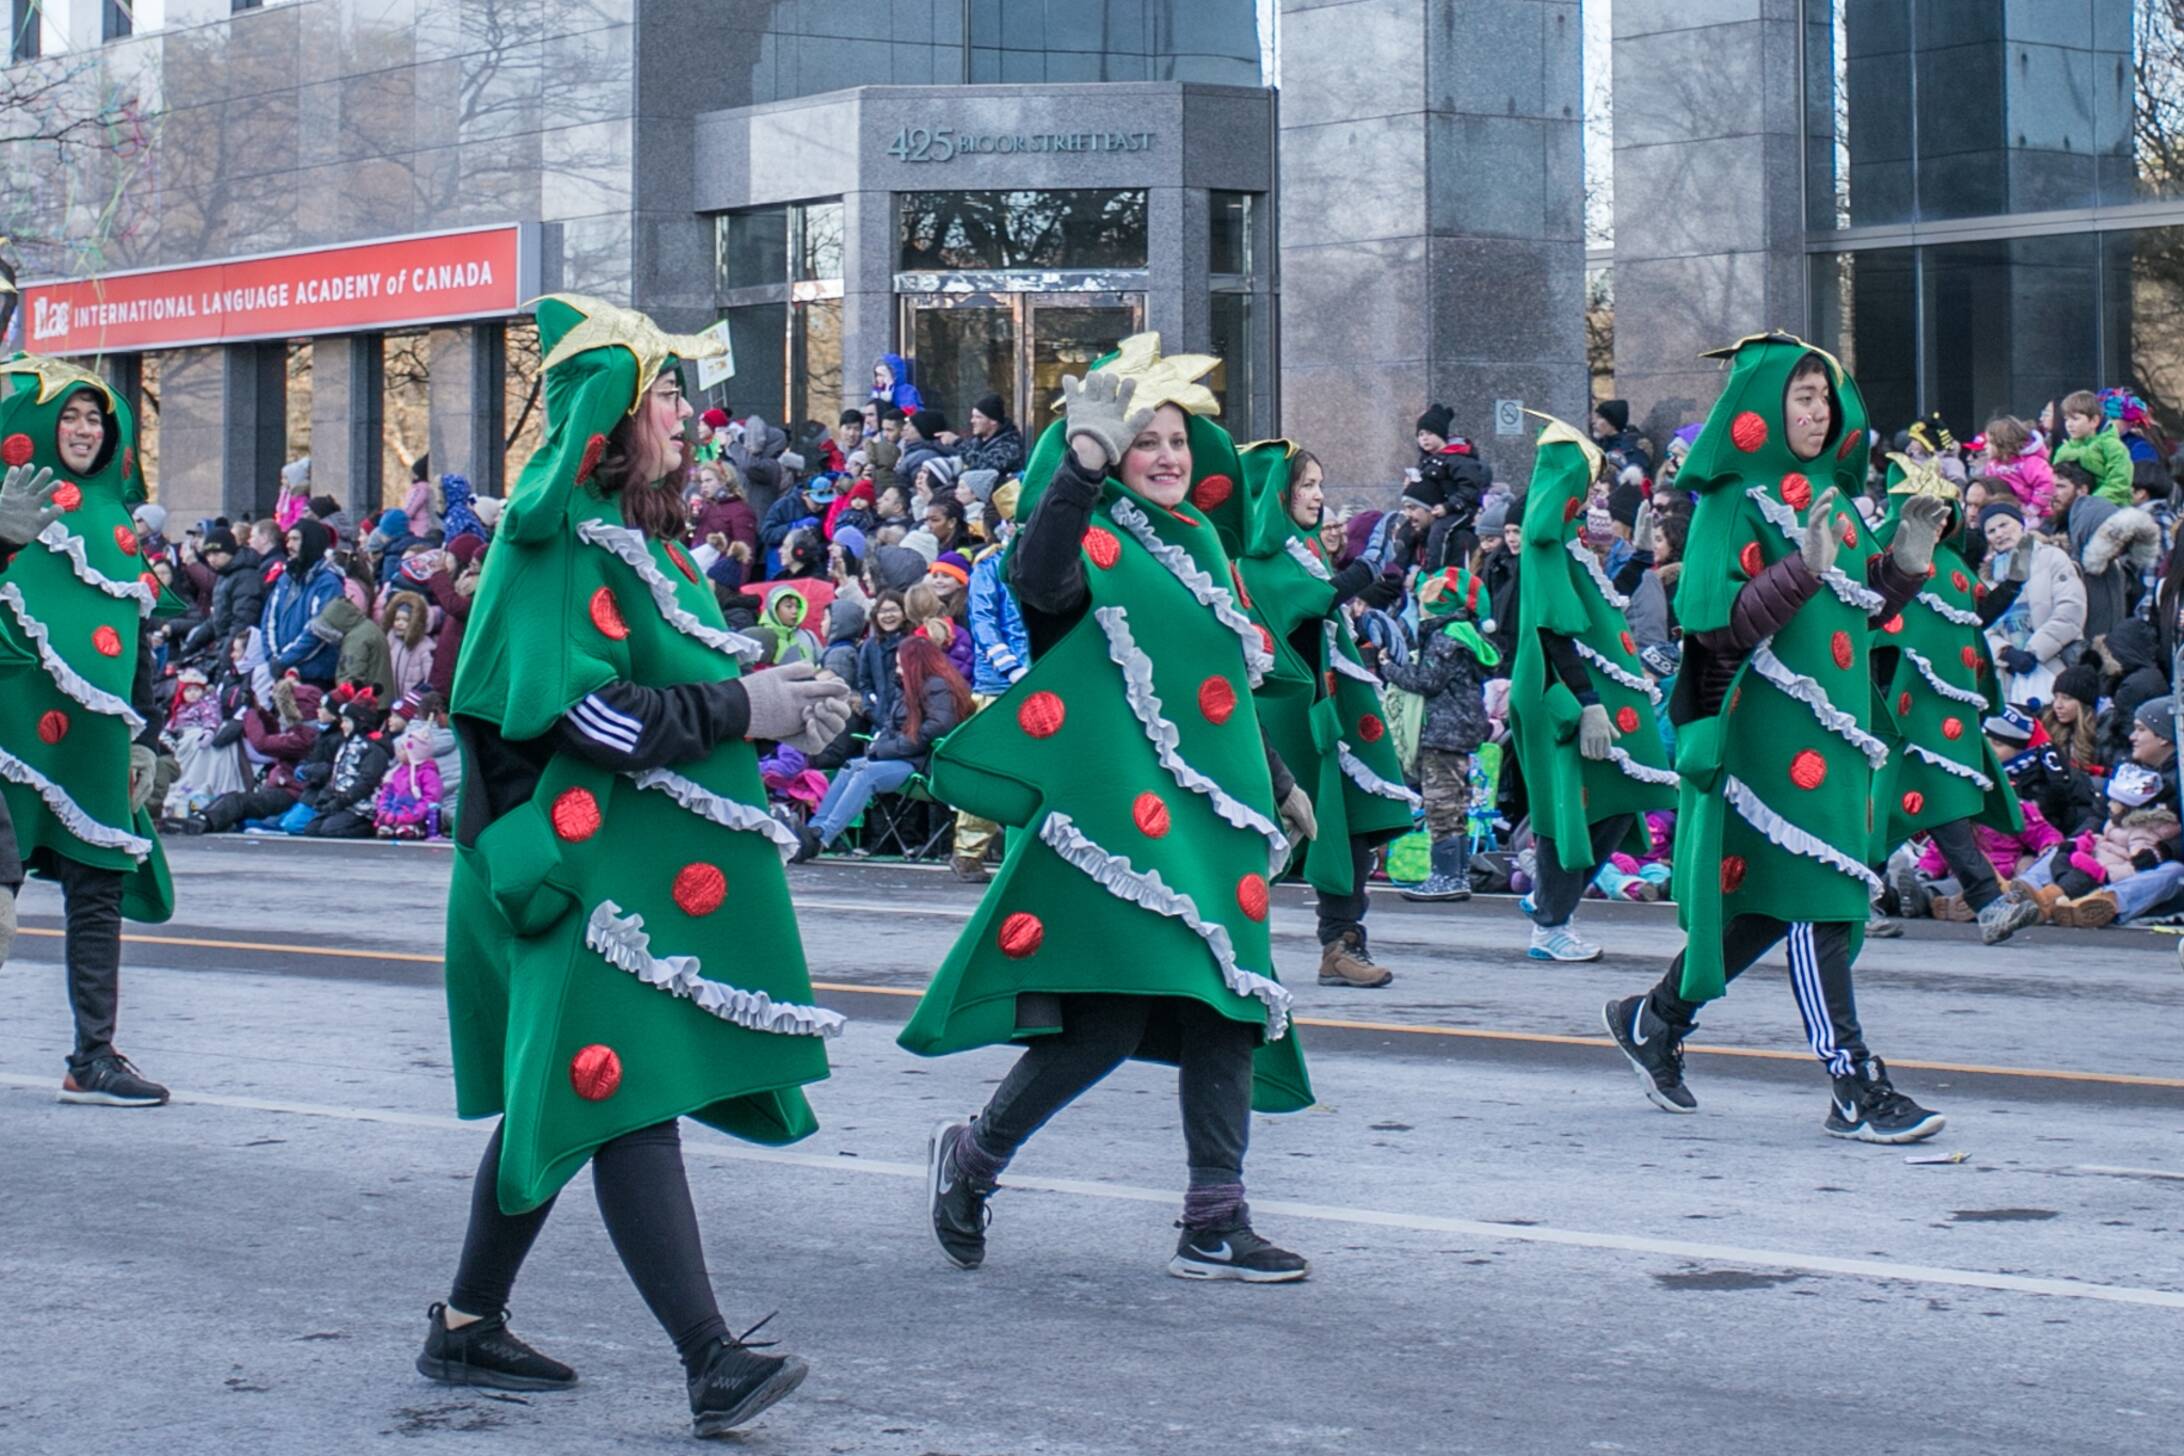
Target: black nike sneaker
column 735, row 1383
column 1654, row 1048
column 1867, row 1107
column 112, row 1081
column 957, row 1201
column 484, row 1353
column 1233, row 1251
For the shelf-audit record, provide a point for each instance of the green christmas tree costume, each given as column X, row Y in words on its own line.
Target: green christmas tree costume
column 70, row 607
column 1319, row 705
column 1130, row 761
column 1942, row 688
column 1561, row 588
column 1776, row 812
column 620, row 949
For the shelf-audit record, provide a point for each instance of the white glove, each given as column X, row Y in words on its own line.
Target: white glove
column 1595, row 734
column 143, row 769
column 1820, row 538
column 1642, row 531
column 823, row 723
column 1297, row 815
column 1098, row 412
column 26, row 504
column 1924, row 516
column 782, row 699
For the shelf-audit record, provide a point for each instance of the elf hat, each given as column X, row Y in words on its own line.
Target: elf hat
column 1455, row 588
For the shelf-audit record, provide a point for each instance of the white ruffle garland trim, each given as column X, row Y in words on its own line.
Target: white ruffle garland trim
column 1353, row 670
column 58, row 539
column 1598, row 573
column 1307, row 560
column 1947, row 613
column 1842, row 724
column 1643, row 773
column 1354, row 769
column 1947, row 689
column 1210, row 593
column 621, row 941
column 1785, row 835
column 70, row 813
column 719, row 808
column 1784, row 519
column 1167, row 739
column 1949, row 766
column 1146, row 889
column 66, row 678
column 1637, row 682
column 629, row 545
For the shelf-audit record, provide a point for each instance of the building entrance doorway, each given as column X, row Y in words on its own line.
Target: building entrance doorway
column 1017, row 345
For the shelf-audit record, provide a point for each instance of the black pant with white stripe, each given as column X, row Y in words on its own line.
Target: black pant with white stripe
column 1819, row 976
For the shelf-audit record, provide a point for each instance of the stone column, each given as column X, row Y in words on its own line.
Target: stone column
column 190, row 477
column 1431, row 225
column 469, row 392
column 1709, row 227
column 869, row 253
column 253, row 426
column 348, row 409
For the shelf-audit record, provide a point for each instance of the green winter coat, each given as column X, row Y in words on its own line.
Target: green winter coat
column 365, row 657
column 2105, row 457
column 1561, row 588
column 71, row 607
column 1131, row 762
column 620, row 949
column 1775, row 816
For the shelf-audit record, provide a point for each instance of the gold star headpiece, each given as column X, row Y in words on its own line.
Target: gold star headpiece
column 1560, row 432
column 1163, row 380
column 57, row 377
column 1778, row 336
column 606, row 326
column 1922, row 477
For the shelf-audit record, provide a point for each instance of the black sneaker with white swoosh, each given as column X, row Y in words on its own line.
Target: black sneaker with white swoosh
column 1654, row 1048
column 956, row 1202
column 1867, row 1107
column 1233, row 1251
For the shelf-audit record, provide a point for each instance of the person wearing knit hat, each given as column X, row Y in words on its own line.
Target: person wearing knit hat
column 1436, row 423
column 930, row 425
column 1449, row 672
column 994, row 443
column 898, row 568
column 2081, row 683
column 715, row 418
column 937, row 476
column 924, row 544
column 954, row 566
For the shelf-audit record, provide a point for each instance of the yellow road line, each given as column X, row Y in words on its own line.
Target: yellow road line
column 1397, row 1028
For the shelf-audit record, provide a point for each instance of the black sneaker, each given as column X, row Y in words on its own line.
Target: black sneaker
column 1233, row 1251
column 1866, row 1107
column 110, row 1081
column 484, row 1353
column 735, row 1383
column 1655, row 1048
column 957, row 1202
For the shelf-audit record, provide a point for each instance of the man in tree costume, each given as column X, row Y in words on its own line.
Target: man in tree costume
column 78, row 722
column 1783, row 590
column 1580, row 704
column 1318, row 705
column 1129, row 918
column 620, row 949
column 1939, row 686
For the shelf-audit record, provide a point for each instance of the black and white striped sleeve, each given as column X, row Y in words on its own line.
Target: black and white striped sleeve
column 628, row 728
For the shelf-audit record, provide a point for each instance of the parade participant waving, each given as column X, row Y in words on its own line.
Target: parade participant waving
column 1318, row 705
column 79, row 728
column 1129, row 918
column 1580, row 703
column 1781, row 594
column 620, row 947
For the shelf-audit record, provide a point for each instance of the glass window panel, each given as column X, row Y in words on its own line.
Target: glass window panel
column 1235, row 344
column 1230, row 232
column 1068, row 339
column 758, row 333
column 962, row 353
column 2009, row 325
column 816, row 374
column 2142, row 286
column 754, row 247
column 1865, row 312
column 819, row 254
column 2139, row 100
column 1032, row 229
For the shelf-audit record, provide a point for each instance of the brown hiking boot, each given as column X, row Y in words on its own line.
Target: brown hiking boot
column 969, row 868
column 1346, row 962
column 1952, row 908
column 2088, row 912
column 2049, row 898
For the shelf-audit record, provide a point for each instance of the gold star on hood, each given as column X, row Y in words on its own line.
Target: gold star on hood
column 1777, row 336
column 1170, row 380
column 57, row 377
column 1922, row 477
column 607, row 327
column 1559, row 432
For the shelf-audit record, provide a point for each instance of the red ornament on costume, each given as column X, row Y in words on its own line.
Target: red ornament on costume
column 1570, row 508
column 1630, row 644
column 1850, row 531
column 699, row 888
column 52, row 726
column 1957, row 580
column 128, row 461
column 1748, row 432
column 1970, row 655
column 606, row 615
column 595, row 1072
column 1041, row 715
column 1732, row 873
column 107, row 641
column 1952, row 728
column 1893, row 625
column 1850, row 444
column 1371, row 729
column 1903, row 704
column 1211, row 492
column 576, row 815
column 1808, row 770
column 683, row 563
column 68, row 496
column 1251, row 896
column 126, row 540
column 1217, row 698
column 150, row 581
column 1151, row 815
column 1021, row 934
column 1840, row 647
column 594, row 448
column 1913, row 801
column 1626, row 718
column 1751, row 560
column 17, row 449
column 1243, row 593
column 1101, row 545
column 1797, row 490
column 1266, row 641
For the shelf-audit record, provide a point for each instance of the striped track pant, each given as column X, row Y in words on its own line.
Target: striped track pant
column 1819, row 978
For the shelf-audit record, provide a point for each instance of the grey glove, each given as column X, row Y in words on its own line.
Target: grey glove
column 822, row 724
column 782, row 699
column 1098, row 410
column 26, row 504
column 1820, row 539
column 2019, row 565
column 1643, row 533
column 1595, row 734
column 1297, row 815
column 7, row 922
column 143, row 769
column 1924, row 518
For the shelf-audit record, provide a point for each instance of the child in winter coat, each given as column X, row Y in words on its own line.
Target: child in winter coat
column 342, row 807
column 2141, row 834
column 2020, row 462
column 2093, row 442
column 1641, row 876
column 1449, row 672
column 208, row 769
column 411, row 795
column 407, row 623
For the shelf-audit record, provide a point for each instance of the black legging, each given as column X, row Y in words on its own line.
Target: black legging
column 644, row 1200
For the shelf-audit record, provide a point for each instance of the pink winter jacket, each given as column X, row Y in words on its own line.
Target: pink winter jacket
column 2009, row 853
column 408, row 791
column 2030, row 480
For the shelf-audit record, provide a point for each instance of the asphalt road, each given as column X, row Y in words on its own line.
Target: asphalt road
column 1513, row 1251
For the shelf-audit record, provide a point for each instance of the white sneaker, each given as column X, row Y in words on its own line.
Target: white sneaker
column 1561, row 943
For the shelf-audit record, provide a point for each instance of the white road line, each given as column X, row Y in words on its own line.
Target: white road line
column 1325, row 1213
column 2127, row 1172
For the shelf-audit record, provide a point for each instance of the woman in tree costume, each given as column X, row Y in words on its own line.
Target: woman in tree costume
column 1129, row 918
column 1939, row 686
column 1783, row 591
column 620, row 949
column 1580, row 704
column 78, row 723
column 1318, row 705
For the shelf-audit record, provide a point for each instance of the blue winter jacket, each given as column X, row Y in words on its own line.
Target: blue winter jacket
column 904, row 396
column 289, row 609
column 1000, row 643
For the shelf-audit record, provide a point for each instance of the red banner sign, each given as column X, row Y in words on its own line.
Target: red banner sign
column 362, row 287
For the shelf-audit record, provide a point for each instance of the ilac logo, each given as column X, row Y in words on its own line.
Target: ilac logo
column 49, row 319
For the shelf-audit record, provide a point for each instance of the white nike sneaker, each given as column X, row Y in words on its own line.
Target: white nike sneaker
column 1561, row 943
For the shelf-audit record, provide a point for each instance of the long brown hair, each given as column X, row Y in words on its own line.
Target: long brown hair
column 2077, row 740
column 655, row 507
column 922, row 660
